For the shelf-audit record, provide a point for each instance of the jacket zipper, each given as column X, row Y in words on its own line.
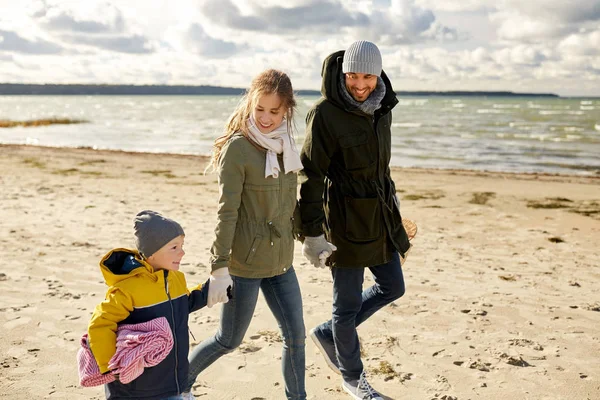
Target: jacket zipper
column 166, row 274
column 281, row 178
column 375, row 181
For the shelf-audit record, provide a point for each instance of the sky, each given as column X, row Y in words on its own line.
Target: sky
column 540, row 46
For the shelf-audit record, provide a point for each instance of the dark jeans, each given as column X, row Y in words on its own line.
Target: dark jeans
column 352, row 306
column 283, row 297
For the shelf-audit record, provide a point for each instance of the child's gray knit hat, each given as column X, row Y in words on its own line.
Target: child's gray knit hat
column 362, row 57
column 152, row 231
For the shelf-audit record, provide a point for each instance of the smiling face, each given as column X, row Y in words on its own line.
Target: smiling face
column 268, row 112
column 169, row 256
column 359, row 85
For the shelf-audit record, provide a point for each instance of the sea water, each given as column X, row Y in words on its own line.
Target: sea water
column 512, row 134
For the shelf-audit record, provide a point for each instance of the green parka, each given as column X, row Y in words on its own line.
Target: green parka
column 254, row 235
column 346, row 189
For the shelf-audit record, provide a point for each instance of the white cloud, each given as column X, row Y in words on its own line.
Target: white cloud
column 535, row 21
column 107, row 20
column 456, row 5
column 581, row 44
column 400, row 21
column 558, row 11
column 11, row 41
column 539, row 46
column 135, row 44
column 100, row 25
column 196, row 40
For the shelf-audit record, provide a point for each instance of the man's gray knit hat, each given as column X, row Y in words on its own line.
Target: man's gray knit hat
column 152, row 231
column 362, row 57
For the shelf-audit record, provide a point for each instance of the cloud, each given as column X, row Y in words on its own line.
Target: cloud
column 455, row 5
column 135, row 44
column 537, row 21
column 325, row 15
column 394, row 22
column 557, row 11
column 535, row 45
column 63, row 20
column 584, row 44
column 195, row 39
column 10, row 41
column 99, row 25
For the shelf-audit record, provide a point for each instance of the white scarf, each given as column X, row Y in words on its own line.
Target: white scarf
column 276, row 142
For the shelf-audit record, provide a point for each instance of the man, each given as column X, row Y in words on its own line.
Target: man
column 349, row 210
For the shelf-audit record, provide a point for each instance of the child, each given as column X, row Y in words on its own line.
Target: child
column 256, row 161
column 145, row 285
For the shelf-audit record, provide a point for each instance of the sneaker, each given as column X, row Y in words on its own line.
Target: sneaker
column 327, row 349
column 360, row 389
column 187, row 396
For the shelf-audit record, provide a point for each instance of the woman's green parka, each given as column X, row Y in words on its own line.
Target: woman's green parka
column 254, row 235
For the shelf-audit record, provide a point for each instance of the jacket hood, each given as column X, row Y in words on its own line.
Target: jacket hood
column 120, row 264
column 331, row 70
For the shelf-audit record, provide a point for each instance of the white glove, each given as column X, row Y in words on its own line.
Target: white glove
column 220, row 280
column 317, row 250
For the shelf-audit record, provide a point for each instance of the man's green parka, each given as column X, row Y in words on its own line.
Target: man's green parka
column 346, row 189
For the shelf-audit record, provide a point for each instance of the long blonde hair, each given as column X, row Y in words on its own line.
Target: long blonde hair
column 267, row 82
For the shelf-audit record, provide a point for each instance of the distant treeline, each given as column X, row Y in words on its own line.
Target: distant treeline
column 75, row 89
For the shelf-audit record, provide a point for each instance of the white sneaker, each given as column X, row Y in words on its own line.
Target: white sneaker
column 360, row 389
column 327, row 349
column 187, row 396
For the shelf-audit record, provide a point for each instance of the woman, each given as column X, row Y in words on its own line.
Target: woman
column 257, row 161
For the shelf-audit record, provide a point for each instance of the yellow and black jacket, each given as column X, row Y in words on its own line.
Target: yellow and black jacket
column 138, row 293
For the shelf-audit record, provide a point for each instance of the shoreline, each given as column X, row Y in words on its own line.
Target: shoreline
column 584, row 178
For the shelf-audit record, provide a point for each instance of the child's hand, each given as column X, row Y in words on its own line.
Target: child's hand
column 219, row 281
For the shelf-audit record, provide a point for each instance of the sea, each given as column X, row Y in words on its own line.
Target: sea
column 508, row 134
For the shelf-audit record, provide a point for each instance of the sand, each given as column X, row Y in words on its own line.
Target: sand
column 501, row 299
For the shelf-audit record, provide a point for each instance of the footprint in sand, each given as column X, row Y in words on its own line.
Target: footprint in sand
column 18, row 321
column 268, row 336
column 247, row 348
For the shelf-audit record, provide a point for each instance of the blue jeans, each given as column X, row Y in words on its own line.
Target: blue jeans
column 352, row 306
column 283, row 297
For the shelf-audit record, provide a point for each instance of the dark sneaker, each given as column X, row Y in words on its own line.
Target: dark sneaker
column 360, row 389
column 326, row 348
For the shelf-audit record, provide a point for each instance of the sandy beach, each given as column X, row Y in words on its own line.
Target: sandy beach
column 499, row 305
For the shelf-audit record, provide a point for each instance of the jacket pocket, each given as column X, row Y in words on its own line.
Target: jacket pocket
column 363, row 219
column 253, row 249
column 355, row 150
column 297, row 224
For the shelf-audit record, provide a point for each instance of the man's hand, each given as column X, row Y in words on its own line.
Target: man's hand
column 219, row 281
column 403, row 259
column 411, row 231
column 317, row 250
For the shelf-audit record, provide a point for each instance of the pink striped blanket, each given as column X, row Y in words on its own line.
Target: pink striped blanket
column 138, row 346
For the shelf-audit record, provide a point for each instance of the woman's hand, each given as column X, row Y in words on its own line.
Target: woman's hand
column 219, row 281
column 317, row 250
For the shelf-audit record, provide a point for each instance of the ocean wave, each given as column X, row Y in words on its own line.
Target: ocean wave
column 407, row 125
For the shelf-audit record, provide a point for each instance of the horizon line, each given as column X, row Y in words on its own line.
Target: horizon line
column 241, row 90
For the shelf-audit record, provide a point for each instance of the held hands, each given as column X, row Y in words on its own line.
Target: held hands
column 317, row 250
column 220, row 280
